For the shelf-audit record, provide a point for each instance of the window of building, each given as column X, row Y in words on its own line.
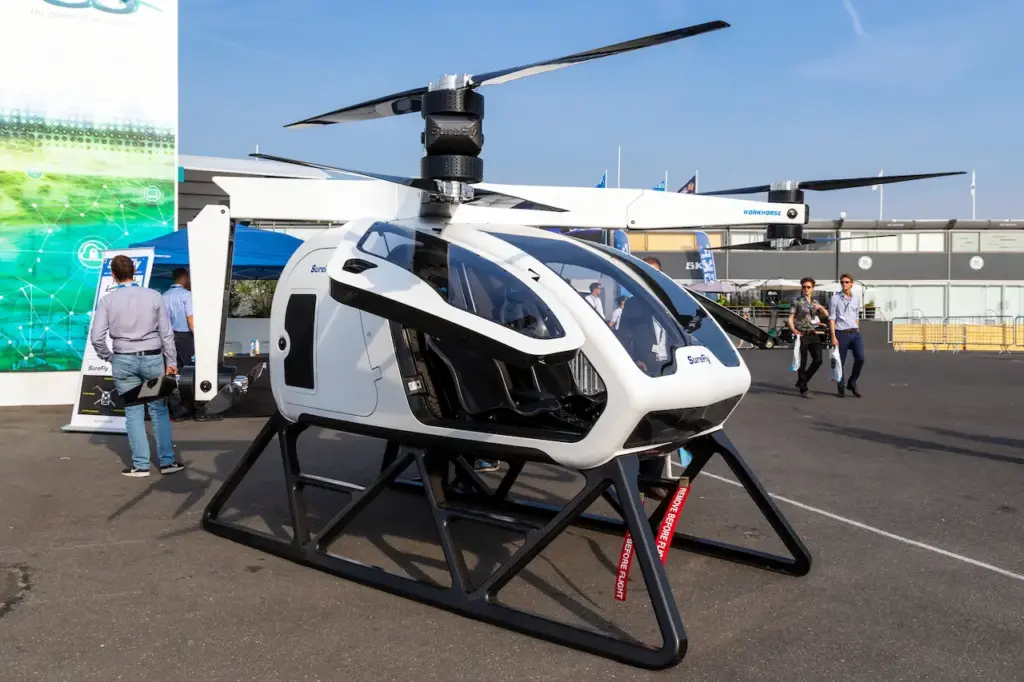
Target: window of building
column 904, row 242
column 931, row 242
column 965, row 242
column 994, row 242
column 671, row 241
column 637, row 241
column 746, row 236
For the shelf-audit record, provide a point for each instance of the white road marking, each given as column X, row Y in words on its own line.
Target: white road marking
column 879, row 531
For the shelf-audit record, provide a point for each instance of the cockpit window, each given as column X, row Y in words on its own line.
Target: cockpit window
column 464, row 279
column 641, row 322
column 690, row 314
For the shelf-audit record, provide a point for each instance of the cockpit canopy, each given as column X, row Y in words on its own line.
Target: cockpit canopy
column 648, row 313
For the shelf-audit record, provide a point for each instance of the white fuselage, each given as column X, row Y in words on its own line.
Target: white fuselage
column 338, row 362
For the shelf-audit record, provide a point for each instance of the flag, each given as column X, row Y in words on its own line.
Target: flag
column 690, row 187
column 707, row 256
column 660, row 187
column 874, row 188
column 972, row 183
column 604, row 180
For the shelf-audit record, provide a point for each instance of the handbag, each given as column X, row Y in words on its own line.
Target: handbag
column 796, row 356
column 837, row 365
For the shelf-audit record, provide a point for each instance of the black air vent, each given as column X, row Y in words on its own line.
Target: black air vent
column 668, row 426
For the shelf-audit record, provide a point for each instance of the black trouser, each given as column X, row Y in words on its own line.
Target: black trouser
column 185, row 347
column 810, row 346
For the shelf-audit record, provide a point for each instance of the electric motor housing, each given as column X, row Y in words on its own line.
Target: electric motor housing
column 452, row 135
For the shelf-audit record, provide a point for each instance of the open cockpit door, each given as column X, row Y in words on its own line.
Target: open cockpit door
column 416, row 278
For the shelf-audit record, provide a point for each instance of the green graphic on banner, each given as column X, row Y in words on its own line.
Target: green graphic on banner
column 115, row 187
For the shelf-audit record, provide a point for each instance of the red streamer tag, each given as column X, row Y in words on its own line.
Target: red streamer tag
column 663, row 540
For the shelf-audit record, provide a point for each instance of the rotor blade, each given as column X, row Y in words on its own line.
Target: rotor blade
column 848, row 183
column 731, row 322
column 832, row 240
column 517, row 72
column 752, row 246
column 417, row 183
column 842, row 183
column 409, row 102
column 756, row 189
column 483, row 197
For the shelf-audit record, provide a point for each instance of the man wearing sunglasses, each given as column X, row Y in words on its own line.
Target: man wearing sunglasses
column 843, row 315
column 805, row 323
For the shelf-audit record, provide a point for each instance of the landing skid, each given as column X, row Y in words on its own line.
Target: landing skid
column 474, row 500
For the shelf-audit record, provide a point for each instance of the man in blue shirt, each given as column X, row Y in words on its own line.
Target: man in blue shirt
column 843, row 316
column 178, row 302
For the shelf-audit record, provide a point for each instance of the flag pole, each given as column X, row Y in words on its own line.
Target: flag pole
column 618, row 171
column 696, row 181
column 666, row 181
column 974, row 205
column 881, row 196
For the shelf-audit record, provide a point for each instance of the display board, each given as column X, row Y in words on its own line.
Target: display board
column 98, row 407
column 88, row 119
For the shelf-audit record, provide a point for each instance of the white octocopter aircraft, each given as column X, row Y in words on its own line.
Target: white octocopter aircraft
column 446, row 317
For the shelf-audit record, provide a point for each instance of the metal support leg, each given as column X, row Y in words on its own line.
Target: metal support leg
column 481, row 602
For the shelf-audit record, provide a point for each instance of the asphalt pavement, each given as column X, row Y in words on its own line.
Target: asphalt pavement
column 909, row 499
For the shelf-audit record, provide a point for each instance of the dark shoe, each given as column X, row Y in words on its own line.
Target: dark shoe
column 806, row 394
column 853, row 390
column 482, row 466
column 135, row 473
column 654, row 492
column 842, row 390
column 172, row 468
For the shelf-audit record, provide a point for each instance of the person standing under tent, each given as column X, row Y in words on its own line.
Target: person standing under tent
column 178, row 302
column 805, row 325
column 843, row 318
column 143, row 349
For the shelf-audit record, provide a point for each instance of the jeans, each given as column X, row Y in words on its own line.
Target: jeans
column 855, row 343
column 130, row 371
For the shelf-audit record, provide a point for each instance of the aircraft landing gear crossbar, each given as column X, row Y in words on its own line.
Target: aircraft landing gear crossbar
column 474, row 500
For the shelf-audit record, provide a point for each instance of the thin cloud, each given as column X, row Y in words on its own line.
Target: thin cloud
column 936, row 52
column 858, row 28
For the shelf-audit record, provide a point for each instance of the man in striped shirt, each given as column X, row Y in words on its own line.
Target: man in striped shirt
column 843, row 317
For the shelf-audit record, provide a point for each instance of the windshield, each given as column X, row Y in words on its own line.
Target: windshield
column 639, row 320
column 690, row 314
column 464, row 279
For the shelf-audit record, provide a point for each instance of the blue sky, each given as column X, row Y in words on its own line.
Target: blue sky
column 803, row 89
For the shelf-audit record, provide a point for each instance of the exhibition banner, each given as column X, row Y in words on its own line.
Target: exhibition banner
column 88, row 137
column 98, row 407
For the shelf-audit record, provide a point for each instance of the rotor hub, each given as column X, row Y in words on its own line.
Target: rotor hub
column 778, row 233
column 453, row 115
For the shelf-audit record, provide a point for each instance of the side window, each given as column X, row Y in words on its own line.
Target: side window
column 381, row 243
column 464, row 279
column 300, row 323
column 690, row 314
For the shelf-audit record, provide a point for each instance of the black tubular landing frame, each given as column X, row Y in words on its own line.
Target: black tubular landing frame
column 467, row 496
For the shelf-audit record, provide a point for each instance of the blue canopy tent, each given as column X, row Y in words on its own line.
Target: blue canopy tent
column 258, row 254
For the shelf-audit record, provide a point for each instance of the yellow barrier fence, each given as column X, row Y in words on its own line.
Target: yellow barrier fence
column 916, row 334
